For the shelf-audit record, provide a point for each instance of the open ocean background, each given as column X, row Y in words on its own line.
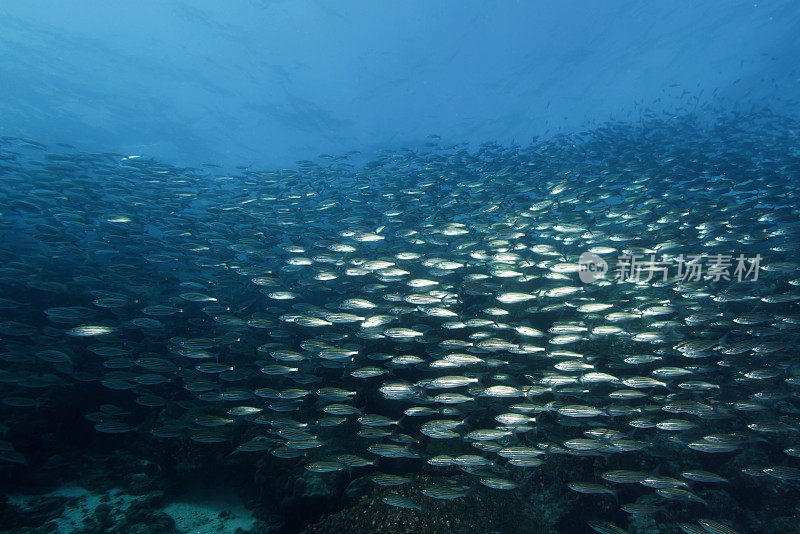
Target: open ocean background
column 399, row 267
column 267, row 83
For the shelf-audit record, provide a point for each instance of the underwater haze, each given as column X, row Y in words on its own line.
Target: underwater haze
column 425, row 267
column 271, row 82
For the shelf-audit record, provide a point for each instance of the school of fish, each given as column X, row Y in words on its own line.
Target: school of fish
column 352, row 318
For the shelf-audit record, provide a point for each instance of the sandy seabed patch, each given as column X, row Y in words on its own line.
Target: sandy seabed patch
column 197, row 512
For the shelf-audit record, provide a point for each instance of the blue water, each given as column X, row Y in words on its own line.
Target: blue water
column 271, row 82
column 306, row 266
